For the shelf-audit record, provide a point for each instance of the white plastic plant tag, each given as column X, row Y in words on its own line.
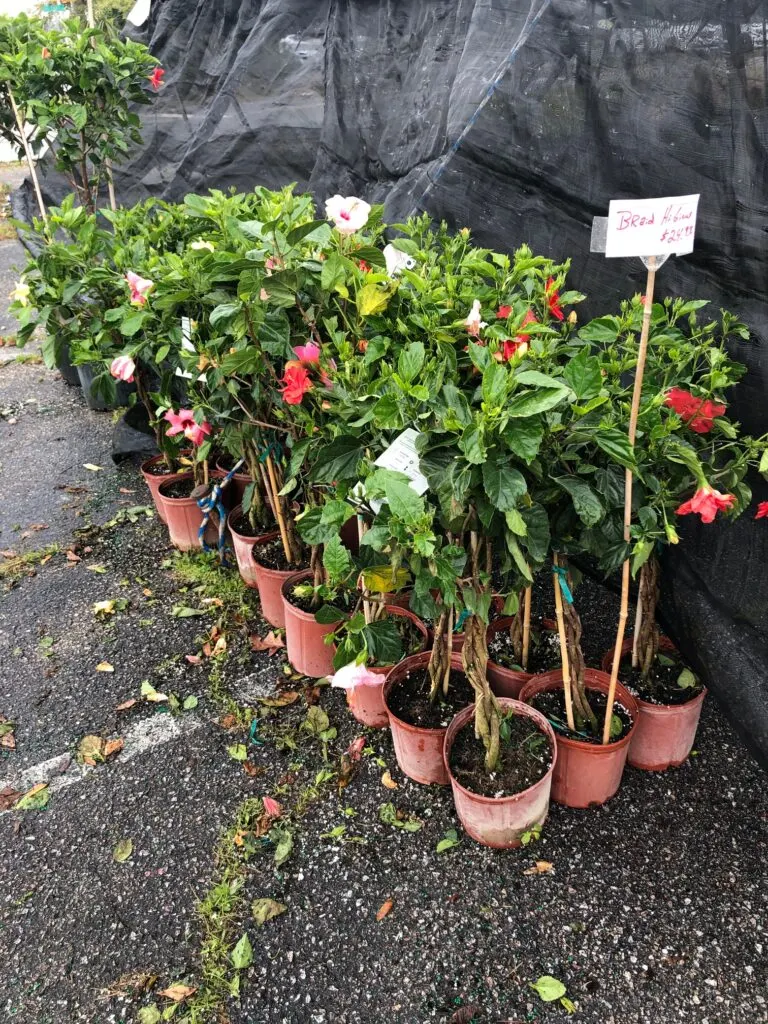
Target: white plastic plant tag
column 186, row 334
column 397, row 261
column 402, row 456
column 651, row 227
column 139, row 12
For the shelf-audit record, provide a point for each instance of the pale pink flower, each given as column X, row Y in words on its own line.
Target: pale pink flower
column 474, row 321
column 348, row 214
column 183, row 422
column 308, row 353
column 139, row 286
column 272, row 807
column 123, row 368
column 355, row 675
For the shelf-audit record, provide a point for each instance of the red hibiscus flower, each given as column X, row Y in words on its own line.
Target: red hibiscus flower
column 296, row 383
column 553, row 300
column 512, row 348
column 698, row 413
column 706, row 502
column 503, row 312
column 762, row 510
column 365, row 267
column 156, row 78
column 183, row 422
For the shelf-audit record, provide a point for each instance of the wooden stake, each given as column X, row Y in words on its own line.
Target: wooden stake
column 526, row 626
column 28, row 155
column 278, row 510
column 563, row 650
column 636, row 395
column 447, row 676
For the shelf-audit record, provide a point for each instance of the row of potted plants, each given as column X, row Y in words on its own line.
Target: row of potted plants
column 402, row 431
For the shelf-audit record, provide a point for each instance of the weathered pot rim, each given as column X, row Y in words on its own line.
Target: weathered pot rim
column 665, row 644
column 260, row 538
column 555, row 678
column 265, row 539
column 460, row 721
column 297, row 577
column 416, row 661
column 174, row 479
column 238, row 476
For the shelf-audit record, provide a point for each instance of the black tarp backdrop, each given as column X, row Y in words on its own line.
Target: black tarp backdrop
column 521, row 120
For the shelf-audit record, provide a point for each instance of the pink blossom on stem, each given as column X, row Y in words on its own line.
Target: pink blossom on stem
column 123, row 368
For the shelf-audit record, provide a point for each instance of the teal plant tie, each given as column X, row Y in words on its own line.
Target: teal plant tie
column 461, row 620
column 562, row 576
column 212, row 503
column 253, row 734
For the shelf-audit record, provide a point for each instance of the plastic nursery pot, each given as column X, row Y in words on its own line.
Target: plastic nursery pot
column 123, row 391
column 268, row 582
column 305, row 637
column 505, row 682
column 419, row 751
column 367, row 702
column 665, row 733
column 585, row 773
column 243, row 543
column 153, row 481
column 234, row 492
column 184, row 517
column 65, row 367
column 500, row 822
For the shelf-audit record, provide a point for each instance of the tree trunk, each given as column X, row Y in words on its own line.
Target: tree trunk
column 474, row 656
column 648, row 632
column 440, row 659
column 576, row 660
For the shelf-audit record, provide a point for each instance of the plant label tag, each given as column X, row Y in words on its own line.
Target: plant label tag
column 403, row 457
column 651, row 227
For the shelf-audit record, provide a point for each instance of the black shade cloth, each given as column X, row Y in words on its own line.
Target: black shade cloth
column 520, row 119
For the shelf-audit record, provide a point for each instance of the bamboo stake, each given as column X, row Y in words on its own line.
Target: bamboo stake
column 447, row 676
column 28, row 155
column 636, row 395
column 563, row 650
column 277, row 506
column 267, row 489
column 526, row 626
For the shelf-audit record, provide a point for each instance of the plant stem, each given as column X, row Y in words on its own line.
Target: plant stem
column 526, row 627
column 563, row 650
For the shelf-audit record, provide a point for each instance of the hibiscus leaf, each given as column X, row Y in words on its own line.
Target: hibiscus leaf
column 583, row 375
column 528, row 403
column 410, row 361
column 383, row 642
column 587, row 504
column 338, row 460
column 504, row 485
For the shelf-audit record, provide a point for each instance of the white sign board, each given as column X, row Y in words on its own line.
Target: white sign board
column 651, row 227
column 402, row 456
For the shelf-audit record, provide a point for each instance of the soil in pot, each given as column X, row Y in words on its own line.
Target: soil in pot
column 344, row 602
column 661, row 686
column 159, row 468
column 543, row 653
column 181, row 488
column 409, row 700
column 272, row 556
column 524, row 758
column 551, row 704
column 240, row 523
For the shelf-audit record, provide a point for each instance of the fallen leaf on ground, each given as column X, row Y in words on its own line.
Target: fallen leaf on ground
column 272, row 807
column 281, row 701
column 126, row 704
column 190, row 702
column 251, row 769
column 388, row 781
column 8, row 553
column 548, row 989
column 194, row 659
column 242, row 954
column 228, row 722
column 271, row 642
column 541, row 867
column 90, row 750
column 122, row 851
column 384, row 909
column 37, row 527
column 207, row 650
column 220, row 647
column 96, row 568
column 355, row 748
column 104, row 666
column 465, row 1014
column 113, row 747
column 8, row 797
column 126, row 490
column 92, row 467
column 266, row 909
column 237, row 752
column 104, row 607
column 147, row 592
column 73, row 557
column 148, row 692
column 149, row 1015
column 34, row 799
column 215, row 601
column 177, row 992
column 7, row 738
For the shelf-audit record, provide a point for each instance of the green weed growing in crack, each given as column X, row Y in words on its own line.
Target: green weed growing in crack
column 12, row 569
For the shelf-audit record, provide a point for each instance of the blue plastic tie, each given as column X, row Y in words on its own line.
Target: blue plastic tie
column 562, row 576
column 461, row 620
column 253, row 734
column 212, row 503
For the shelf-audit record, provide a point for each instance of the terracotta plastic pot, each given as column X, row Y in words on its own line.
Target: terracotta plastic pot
column 153, row 481
column 269, row 583
column 305, row 637
column 184, row 517
column 234, row 492
column 585, row 773
column 243, row 544
column 505, row 682
column 419, row 751
column 367, row 702
column 500, row 822
column 665, row 733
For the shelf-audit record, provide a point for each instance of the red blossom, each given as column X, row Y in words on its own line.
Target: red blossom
column 365, row 267
column 183, row 422
column 296, row 383
column 503, row 312
column 271, row 807
column 698, row 413
column 707, row 502
column 156, row 78
column 553, row 300
column 511, row 348
column 45, row 53
column 762, row 510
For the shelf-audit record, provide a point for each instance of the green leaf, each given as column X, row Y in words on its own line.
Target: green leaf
column 318, row 231
column 238, row 752
column 548, row 988
column 336, row 559
column 182, row 611
column 687, row 680
column 122, row 851
column 583, row 375
column 617, row 727
column 190, row 702
column 242, row 362
column 327, row 615
column 641, row 553
column 615, row 443
column 374, row 298
column 223, row 312
column 242, row 954
column 519, row 559
column 524, row 437
column 472, row 443
column 338, row 460
column 265, row 909
column 333, row 272
column 161, row 353
column 383, row 642
column 34, row 800
column 528, row 403
column 604, row 330
column 495, row 380
column 537, row 539
column 450, row 840
column 515, row 522
column 504, row 485
column 283, row 845
column 148, row 1015
column 132, row 323
column 588, row 506
column 404, row 502
column 410, row 361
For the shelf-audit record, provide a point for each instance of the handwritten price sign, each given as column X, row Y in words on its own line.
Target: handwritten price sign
column 651, row 227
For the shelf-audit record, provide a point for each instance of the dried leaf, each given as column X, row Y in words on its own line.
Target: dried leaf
column 228, row 722
column 122, row 851
column 126, row 704
column 215, row 601
column 8, row 797
column 251, row 769
column 148, row 692
column 207, row 650
column 194, row 659
column 541, row 867
column 265, row 910
column 104, row 608
column 104, row 666
column 147, row 592
column 92, row 467
column 281, row 701
column 178, row 993
column 8, row 553
column 271, row 642
column 90, row 750
column 356, row 747
column 384, row 909
column 113, row 747
column 466, row 1014
column 388, row 781
column 37, row 527
column 126, row 490
column 72, row 557
column 8, row 740
column 220, row 647
column 34, row 799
